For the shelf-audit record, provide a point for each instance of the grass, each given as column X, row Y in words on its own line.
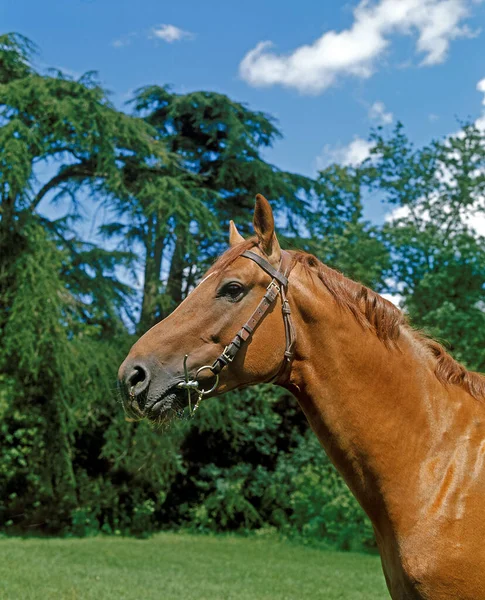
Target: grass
column 183, row 567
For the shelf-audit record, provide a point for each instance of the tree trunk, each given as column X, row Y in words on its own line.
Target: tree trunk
column 176, row 273
column 153, row 263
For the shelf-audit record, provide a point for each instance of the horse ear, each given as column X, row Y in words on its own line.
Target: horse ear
column 235, row 237
column 263, row 222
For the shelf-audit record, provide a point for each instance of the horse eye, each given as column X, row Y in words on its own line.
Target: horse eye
column 233, row 290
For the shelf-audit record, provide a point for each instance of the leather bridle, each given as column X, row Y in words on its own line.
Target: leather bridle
column 277, row 286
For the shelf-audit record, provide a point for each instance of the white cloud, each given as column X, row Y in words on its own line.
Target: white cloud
column 170, row 33
column 476, row 221
column 481, row 88
column 480, row 122
column 314, row 67
column 377, row 112
column 471, row 217
column 350, row 155
column 167, row 33
column 124, row 41
column 396, row 299
column 120, row 43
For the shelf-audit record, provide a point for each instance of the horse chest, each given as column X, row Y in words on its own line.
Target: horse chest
column 435, row 569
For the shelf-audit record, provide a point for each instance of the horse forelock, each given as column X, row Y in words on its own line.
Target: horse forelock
column 230, row 255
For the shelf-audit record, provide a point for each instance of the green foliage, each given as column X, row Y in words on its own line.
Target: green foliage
column 309, row 499
column 219, row 145
column 438, row 259
column 339, row 232
column 171, row 176
column 16, row 53
column 250, row 462
column 49, row 117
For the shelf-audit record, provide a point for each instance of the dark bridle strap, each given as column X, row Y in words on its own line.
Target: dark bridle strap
column 278, row 285
column 266, row 266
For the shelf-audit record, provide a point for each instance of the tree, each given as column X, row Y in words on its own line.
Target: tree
column 61, row 300
column 171, row 176
column 438, row 256
column 51, row 120
column 181, row 229
column 339, row 234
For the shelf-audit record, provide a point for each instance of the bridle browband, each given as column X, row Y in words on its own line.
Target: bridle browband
column 277, row 286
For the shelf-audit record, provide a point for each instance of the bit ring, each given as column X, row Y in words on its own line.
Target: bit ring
column 216, row 383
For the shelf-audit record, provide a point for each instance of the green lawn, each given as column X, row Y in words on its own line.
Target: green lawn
column 183, row 567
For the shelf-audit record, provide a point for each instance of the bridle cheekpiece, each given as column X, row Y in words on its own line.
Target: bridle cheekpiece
column 277, row 286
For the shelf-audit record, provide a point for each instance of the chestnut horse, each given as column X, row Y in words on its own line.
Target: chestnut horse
column 401, row 420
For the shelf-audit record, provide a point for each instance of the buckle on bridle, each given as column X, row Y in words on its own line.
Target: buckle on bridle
column 274, row 285
column 227, row 356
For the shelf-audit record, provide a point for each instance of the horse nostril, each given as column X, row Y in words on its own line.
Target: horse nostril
column 138, row 379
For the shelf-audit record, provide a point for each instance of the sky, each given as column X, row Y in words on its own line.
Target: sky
column 328, row 71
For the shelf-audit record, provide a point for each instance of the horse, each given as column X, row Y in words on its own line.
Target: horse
column 401, row 420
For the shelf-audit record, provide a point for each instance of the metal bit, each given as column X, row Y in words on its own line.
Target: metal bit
column 188, row 384
column 193, row 385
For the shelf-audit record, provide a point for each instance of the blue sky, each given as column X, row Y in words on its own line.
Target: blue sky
column 334, row 70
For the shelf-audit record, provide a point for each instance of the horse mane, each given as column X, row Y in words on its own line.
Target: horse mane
column 372, row 312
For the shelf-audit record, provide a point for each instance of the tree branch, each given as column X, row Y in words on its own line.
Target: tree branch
column 80, row 170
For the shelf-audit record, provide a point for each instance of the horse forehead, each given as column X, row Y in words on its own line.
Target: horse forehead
column 206, row 278
column 242, row 267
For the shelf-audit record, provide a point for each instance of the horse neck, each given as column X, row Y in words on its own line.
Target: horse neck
column 369, row 404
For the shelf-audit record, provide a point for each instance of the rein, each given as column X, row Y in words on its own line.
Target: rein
column 278, row 286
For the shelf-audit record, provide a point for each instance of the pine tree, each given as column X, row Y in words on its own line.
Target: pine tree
column 181, row 220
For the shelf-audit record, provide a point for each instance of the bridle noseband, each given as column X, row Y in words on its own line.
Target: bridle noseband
column 278, row 286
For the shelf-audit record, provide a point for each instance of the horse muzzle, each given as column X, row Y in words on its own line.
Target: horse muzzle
column 156, row 393
column 147, row 389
